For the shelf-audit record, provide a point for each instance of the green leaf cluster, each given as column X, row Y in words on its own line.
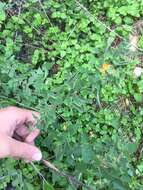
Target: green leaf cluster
column 51, row 56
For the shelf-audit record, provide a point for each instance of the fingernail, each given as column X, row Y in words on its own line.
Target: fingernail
column 37, row 156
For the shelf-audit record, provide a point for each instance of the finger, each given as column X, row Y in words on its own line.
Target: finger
column 17, row 137
column 26, row 135
column 22, row 116
column 22, row 131
column 20, row 137
column 31, row 143
column 32, row 136
column 17, row 149
column 32, row 118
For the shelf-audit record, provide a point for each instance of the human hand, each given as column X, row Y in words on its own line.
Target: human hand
column 14, row 127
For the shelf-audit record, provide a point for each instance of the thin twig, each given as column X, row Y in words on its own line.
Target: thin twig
column 70, row 178
column 103, row 24
column 139, row 150
column 39, row 173
column 3, row 177
column 71, row 32
column 18, row 103
column 42, row 6
column 19, row 12
column 98, row 99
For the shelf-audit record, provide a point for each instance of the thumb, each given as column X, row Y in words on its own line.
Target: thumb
column 17, row 149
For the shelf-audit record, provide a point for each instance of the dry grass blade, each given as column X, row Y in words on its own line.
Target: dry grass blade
column 39, row 173
column 133, row 42
column 70, row 178
column 50, row 165
column 133, row 45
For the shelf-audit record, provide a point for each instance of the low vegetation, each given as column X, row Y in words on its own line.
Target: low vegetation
column 72, row 62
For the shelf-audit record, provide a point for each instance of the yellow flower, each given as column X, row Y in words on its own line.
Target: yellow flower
column 105, row 67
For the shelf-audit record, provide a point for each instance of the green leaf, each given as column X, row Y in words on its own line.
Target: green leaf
column 138, row 97
column 47, row 186
column 35, row 57
column 29, row 186
column 2, row 16
column 86, row 150
column 118, row 185
column 38, row 19
column 131, row 147
column 2, row 12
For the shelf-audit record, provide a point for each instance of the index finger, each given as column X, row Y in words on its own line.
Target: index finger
column 24, row 116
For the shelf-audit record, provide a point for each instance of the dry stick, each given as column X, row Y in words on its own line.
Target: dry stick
column 139, row 150
column 39, row 173
column 107, row 27
column 42, row 6
column 3, row 177
column 19, row 12
column 71, row 32
column 70, row 178
column 38, row 32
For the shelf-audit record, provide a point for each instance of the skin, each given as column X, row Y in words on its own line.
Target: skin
column 16, row 139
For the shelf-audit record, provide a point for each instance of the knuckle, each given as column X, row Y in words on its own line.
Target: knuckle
column 12, row 108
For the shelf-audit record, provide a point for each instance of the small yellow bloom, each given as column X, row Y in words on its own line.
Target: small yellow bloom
column 105, row 67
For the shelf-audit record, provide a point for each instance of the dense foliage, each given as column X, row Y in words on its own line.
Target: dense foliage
column 59, row 59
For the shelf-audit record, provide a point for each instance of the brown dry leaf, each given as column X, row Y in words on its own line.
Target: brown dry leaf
column 134, row 42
